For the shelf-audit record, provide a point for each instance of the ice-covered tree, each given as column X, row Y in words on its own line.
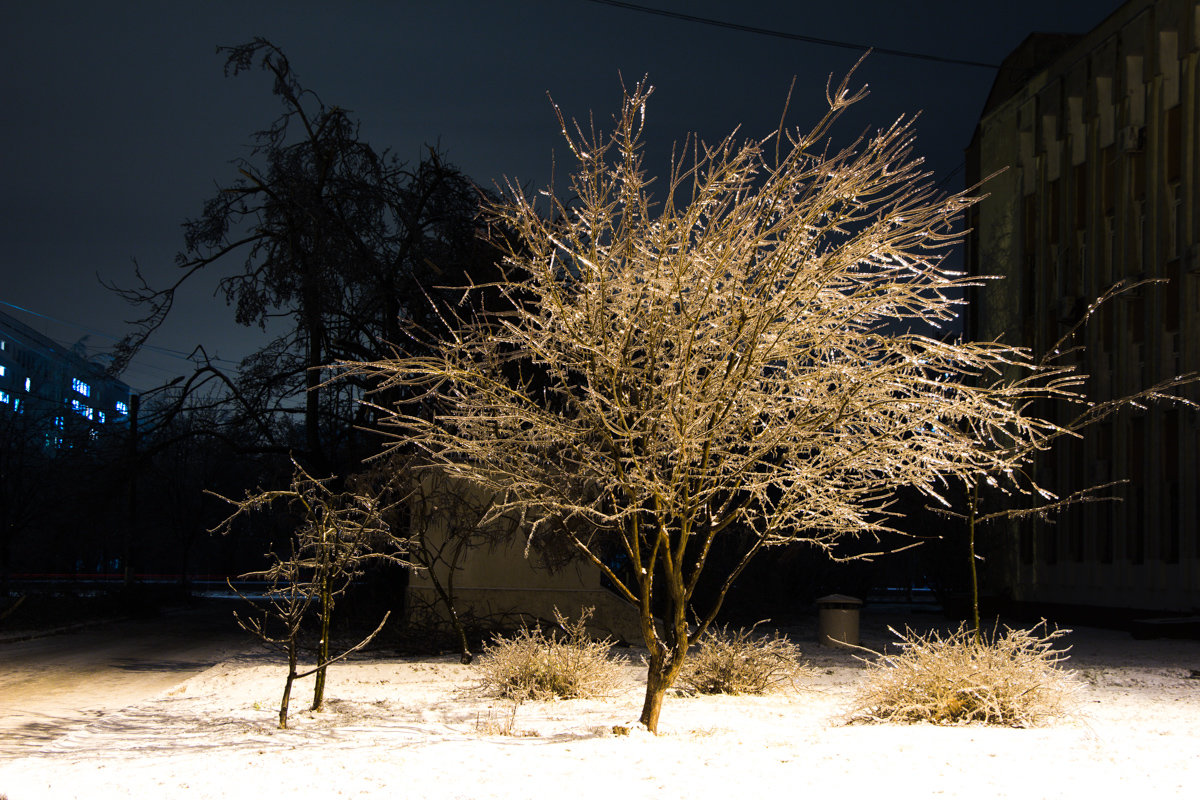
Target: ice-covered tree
column 731, row 352
column 337, row 533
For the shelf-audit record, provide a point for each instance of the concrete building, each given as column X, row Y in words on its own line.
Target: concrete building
column 61, row 393
column 1099, row 139
column 494, row 579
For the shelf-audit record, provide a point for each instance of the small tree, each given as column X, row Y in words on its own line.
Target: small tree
column 447, row 521
column 338, row 532
column 734, row 356
column 1014, row 489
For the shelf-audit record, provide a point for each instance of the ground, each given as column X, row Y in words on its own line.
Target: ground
column 419, row 727
column 79, row 666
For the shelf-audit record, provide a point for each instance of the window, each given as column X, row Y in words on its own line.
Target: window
column 3, row 370
column 28, row 385
column 100, row 417
column 81, row 387
column 81, row 409
column 4, row 397
column 3, row 345
column 122, row 408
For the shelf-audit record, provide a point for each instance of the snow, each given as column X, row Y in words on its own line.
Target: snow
column 420, row 727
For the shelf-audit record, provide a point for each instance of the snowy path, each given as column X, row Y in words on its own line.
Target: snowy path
column 50, row 684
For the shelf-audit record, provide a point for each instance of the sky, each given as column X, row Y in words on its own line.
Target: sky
column 118, row 121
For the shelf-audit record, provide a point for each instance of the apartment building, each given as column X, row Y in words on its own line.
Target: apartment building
column 59, row 392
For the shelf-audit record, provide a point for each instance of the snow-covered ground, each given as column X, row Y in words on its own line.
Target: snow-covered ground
column 404, row 727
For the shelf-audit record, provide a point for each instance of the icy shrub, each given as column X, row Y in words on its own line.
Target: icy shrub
column 1012, row 678
column 534, row 665
column 738, row 662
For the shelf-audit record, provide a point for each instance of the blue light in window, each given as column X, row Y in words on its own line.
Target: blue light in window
column 122, row 408
column 28, row 385
column 3, row 397
column 81, row 387
column 80, row 409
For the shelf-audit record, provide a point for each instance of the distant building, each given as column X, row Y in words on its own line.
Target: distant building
column 1099, row 135
column 62, row 394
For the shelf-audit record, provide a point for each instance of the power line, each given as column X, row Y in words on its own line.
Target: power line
column 795, row 37
column 164, row 351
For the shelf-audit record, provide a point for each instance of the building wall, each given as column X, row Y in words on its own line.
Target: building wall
column 497, row 578
column 1100, row 144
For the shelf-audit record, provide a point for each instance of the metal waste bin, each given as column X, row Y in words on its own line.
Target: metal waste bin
column 837, row 620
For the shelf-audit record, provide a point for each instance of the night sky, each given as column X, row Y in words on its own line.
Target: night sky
column 118, row 121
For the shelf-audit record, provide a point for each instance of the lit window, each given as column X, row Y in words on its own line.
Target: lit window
column 3, row 397
column 28, row 385
column 122, row 408
column 81, row 387
column 100, row 417
column 58, row 422
column 3, row 345
column 3, row 370
column 80, row 409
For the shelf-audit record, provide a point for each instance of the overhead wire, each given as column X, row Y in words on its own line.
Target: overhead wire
column 795, row 37
column 151, row 348
column 803, row 38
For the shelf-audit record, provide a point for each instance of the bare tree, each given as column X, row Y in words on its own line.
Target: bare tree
column 735, row 358
column 338, row 532
column 1014, row 492
column 335, row 236
column 447, row 522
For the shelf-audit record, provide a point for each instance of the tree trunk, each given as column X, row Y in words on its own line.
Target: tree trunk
column 292, row 646
column 314, row 327
column 660, row 675
column 447, row 599
column 973, row 505
column 326, row 611
column 666, row 658
column 656, row 689
column 312, row 404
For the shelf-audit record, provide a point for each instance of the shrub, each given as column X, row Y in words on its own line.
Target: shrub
column 534, row 665
column 496, row 723
column 738, row 662
column 1012, row 678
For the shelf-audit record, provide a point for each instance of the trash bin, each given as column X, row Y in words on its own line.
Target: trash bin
column 837, row 620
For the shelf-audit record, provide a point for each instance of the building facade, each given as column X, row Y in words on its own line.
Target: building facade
column 486, row 570
column 1096, row 139
column 56, row 391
